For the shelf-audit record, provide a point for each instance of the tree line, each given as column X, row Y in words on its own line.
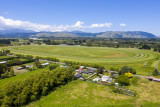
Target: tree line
column 19, row 93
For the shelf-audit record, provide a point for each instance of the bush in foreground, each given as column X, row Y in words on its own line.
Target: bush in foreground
column 123, row 80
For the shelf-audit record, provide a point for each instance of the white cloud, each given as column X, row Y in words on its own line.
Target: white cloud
column 123, row 25
column 79, row 24
column 6, row 24
column 101, row 25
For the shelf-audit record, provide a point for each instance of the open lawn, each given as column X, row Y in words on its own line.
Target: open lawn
column 109, row 57
column 82, row 93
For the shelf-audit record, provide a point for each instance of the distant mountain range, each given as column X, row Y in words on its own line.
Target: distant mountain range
column 18, row 33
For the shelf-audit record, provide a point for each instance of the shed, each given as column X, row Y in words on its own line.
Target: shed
column 45, row 64
column 3, row 62
column 96, row 79
column 77, row 75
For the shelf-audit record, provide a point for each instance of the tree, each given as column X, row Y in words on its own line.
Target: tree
column 123, row 80
column 155, row 49
column 126, row 69
column 145, row 46
column 11, row 72
column 155, row 72
column 7, row 102
column 100, row 70
column 53, row 66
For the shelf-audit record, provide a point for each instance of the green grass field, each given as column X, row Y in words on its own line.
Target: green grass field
column 108, row 57
column 80, row 93
column 86, row 54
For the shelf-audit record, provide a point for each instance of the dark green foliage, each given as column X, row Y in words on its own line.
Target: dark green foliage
column 155, row 72
column 23, row 66
column 100, row 70
column 53, row 66
column 12, row 72
column 6, row 71
column 5, row 75
column 32, row 88
column 145, row 46
column 126, row 69
column 38, row 64
column 123, row 80
column 155, row 49
column 75, row 66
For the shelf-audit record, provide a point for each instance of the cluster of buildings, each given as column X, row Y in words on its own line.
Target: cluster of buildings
column 87, row 70
column 103, row 78
column 91, row 71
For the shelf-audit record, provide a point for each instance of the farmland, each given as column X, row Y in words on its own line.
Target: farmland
column 81, row 93
column 142, row 60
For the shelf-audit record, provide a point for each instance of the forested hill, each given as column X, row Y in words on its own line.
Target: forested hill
column 108, row 34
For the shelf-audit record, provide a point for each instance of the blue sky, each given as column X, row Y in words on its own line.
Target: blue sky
column 86, row 15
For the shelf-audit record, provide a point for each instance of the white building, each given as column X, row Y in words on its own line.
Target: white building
column 96, row 79
column 81, row 67
column 3, row 62
column 105, row 78
column 45, row 64
column 77, row 75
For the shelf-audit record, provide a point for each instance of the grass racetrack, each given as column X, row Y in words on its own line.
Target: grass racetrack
column 141, row 60
column 86, row 54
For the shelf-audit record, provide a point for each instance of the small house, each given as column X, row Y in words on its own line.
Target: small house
column 64, row 66
column 90, row 70
column 96, row 79
column 28, row 66
column 77, row 75
column 81, row 67
column 116, row 84
column 80, row 70
column 45, row 64
column 105, row 78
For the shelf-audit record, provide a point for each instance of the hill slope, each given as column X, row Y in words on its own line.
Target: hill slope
column 55, row 34
column 129, row 34
column 108, row 34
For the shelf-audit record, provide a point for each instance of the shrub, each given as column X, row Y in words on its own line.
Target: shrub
column 129, row 75
column 123, row 80
column 53, row 66
column 155, row 72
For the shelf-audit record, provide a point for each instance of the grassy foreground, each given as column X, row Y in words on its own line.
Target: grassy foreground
column 81, row 93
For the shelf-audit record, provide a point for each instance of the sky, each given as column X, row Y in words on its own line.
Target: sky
column 84, row 15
